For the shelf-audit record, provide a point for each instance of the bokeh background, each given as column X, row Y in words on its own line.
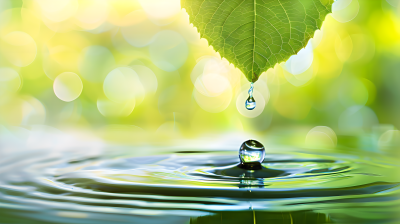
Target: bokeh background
column 137, row 72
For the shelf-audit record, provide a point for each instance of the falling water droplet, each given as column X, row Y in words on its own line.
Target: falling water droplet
column 251, row 154
column 251, row 102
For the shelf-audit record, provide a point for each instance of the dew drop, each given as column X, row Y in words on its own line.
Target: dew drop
column 251, row 102
column 251, row 154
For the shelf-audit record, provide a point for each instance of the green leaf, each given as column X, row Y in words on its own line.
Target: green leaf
column 254, row 35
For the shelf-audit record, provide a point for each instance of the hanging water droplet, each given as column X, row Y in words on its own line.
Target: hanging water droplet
column 251, row 102
column 251, row 154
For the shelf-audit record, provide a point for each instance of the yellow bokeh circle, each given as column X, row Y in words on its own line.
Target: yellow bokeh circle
column 19, row 48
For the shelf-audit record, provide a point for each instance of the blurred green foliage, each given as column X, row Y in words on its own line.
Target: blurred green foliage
column 137, row 70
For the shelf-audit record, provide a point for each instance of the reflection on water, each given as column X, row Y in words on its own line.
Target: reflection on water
column 303, row 217
column 83, row 185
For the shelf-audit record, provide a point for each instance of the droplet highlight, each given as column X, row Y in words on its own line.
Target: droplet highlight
column 251, row 102
column 251, row 154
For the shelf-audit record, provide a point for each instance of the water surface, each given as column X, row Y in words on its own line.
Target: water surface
column 197, row 186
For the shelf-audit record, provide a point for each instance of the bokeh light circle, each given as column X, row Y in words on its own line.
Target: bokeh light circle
column 199, row 68
column 357, row 119
column 214, row 104
column 321, row 137
column 58, row 11
column 147, row 78
column 211, row 76
column 68, row 86
column 389, row 142
column 33, row 111
column 118, row 9
column 123, row 84
column 161, row 11
column 298, row 79
column 91, row 13
column 212, row 84
column 19, row 48
column 345, row 10
column 110, row 108
column 169, row 50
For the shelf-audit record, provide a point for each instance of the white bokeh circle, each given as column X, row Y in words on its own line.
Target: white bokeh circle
column 67, row 86
column 321, row 136
column 345, row 10
column 123, row 84
column 19, row 48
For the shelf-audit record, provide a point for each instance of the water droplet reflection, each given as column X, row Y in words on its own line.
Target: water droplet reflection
column 251, row 102
column 251, row 154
